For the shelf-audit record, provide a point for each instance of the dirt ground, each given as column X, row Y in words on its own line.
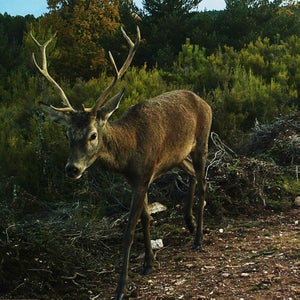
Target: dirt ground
column 254, row 257
column 246, row 259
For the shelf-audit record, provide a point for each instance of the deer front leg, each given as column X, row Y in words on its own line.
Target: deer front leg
column 149, row 256
column 136, row 208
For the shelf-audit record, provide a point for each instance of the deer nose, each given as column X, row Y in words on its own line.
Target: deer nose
column 72, row 171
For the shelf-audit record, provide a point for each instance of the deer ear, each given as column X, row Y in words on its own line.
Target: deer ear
column 56, row 116
column 110, row 106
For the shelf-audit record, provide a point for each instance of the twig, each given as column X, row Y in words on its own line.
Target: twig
column 177, row 186
column 41, row 270
column 6, row 231
column 104, row 245
column 158, row 250
column 76, row 283
column 95, row 297
column 222, row 150
column 102, row 272
column 259, row 186
column 17, row 287
column 74, row 236
column 74, row 276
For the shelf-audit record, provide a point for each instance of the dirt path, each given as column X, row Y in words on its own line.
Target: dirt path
column 248, row 259
column 244, row 259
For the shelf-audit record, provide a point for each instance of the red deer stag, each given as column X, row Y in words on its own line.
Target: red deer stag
column 150, row 138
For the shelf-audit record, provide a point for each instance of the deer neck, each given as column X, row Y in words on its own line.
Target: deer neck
column 116, row 147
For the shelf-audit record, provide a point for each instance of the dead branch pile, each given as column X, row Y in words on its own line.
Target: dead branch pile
column 279, row 141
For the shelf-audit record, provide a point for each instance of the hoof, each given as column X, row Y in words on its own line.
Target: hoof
column 190, row 224
column 118, row 297
column 146, row 270
column 198, row 247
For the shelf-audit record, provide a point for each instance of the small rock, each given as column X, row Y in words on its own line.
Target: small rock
column 297, row 201
column 156, row 207
column 157, row 244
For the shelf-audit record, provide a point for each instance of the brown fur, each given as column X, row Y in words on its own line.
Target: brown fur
column 151, row 138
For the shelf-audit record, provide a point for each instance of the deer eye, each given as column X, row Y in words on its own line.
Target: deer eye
column 93, row 136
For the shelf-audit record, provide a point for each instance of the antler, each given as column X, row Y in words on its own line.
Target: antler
column 104, row 95
column 44, row 72
column 118, row 73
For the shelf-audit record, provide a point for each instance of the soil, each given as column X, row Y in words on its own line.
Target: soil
column 255, row 257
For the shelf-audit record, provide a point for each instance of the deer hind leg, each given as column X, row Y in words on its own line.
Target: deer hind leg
column 149, row 256
column 199, row 162
column 187, row 166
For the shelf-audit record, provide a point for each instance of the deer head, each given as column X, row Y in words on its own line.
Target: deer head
column 85, row 127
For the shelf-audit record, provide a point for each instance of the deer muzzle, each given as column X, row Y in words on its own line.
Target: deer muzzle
column 73, row 171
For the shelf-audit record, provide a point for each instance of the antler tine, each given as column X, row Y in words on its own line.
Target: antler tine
column 133, row 48
column 129, row 41
column 118, row 73
column 44, row 72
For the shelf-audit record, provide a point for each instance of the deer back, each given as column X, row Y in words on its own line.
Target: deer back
column 157, row 134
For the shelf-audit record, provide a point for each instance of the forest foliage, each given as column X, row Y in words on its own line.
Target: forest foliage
column 242, row 60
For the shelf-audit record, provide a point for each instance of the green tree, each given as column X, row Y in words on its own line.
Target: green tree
column 165, row 28
column 244, row 21
column 11, row 38
column 203, row 29
column 82, row 27
column 159, row 8
column 257, row 83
